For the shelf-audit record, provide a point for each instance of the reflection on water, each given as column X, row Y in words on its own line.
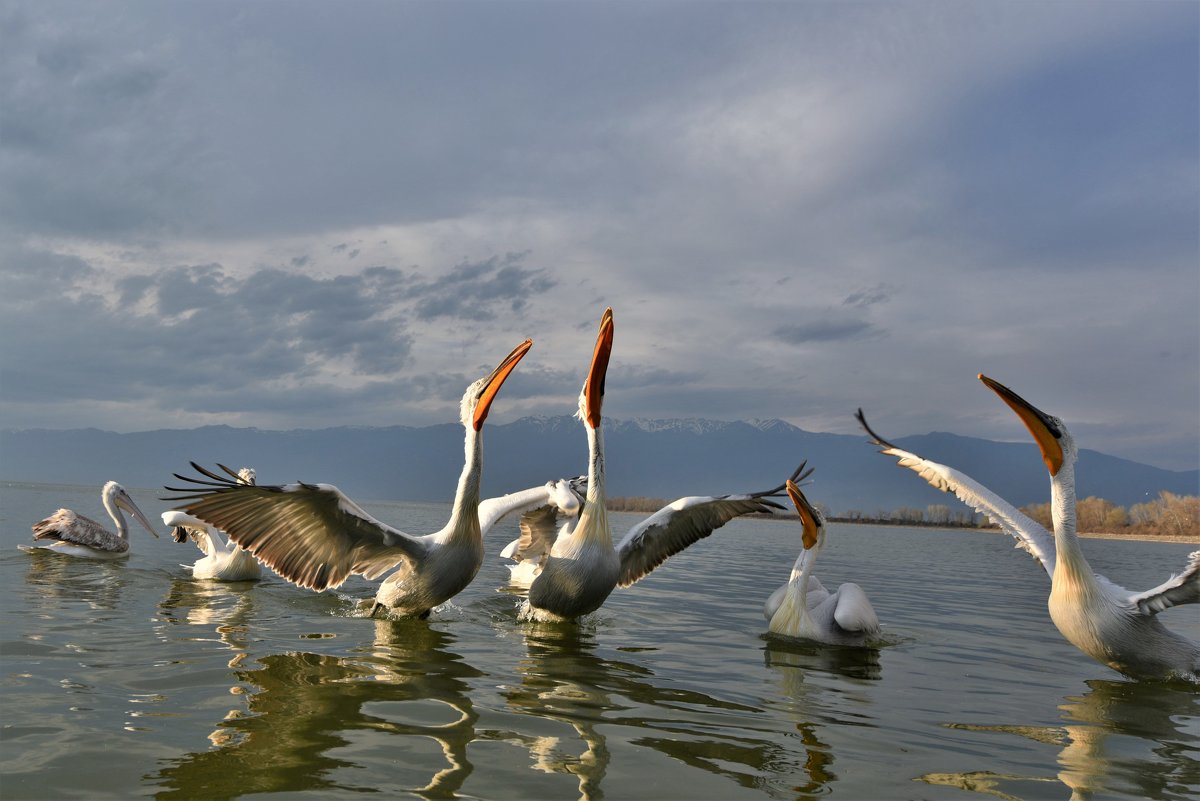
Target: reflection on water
column 122, row 680
column 1094, row 756
column 307, row 706
column 848, row 661
column 57, row 580
column 563, row 679
column 793, row 661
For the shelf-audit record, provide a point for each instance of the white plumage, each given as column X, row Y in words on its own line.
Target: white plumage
column 71, row 533
column 316, row 537
column 803, row 608
column 1107, row 622
column 224, row 560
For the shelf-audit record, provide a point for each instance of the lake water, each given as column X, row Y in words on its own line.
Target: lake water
column 132, row 680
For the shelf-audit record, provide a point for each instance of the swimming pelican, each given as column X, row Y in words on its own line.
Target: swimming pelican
column 224, row 560
column 803, row 608
column 76, row 535
column 1107, row 622
column 316, row 537
column 581, row 567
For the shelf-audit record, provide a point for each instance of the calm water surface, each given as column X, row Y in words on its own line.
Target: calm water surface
column 133, row 680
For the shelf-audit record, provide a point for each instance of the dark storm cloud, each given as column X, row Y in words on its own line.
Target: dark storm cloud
column 480, row 290
column 824, row 330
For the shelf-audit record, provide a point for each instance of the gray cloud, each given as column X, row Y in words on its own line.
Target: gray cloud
column 222, row 212
column 826, row 330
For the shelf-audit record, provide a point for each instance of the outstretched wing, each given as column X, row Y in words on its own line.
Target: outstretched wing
column 1175, row 591
column 310, row 534
column 676, row 526
column 1029, row 534
column 561, row 495
column 680, row 523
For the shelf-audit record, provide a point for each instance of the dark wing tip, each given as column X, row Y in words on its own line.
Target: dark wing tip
column 799, row 474
column 878, row 440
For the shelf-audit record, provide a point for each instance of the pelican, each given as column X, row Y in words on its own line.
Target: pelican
column 316, row 537
column 581, row 567
column 224, row 560
column 803, row 608
column 1109, row 623
column 76, row 535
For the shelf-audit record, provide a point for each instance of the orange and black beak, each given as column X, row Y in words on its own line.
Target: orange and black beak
column 808, row 515
column 496, row 380
column 1045, row 431
column 594, row 389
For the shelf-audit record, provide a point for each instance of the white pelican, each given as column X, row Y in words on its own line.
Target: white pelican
column 224, row 560
column 1112, row 625
column 582, row 567
column 803, row 608
column 76, row 535
column 316, row 537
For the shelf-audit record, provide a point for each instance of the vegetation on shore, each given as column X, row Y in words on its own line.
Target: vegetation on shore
column 1168, row 515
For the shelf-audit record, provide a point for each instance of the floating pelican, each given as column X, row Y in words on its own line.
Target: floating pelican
column 316, row 537
column 803, row 608
column 581, row 567
column 76, row 535
column 1112, row 625
column 224, row 560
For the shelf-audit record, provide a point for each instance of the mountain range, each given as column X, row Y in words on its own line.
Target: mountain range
column 652, row 458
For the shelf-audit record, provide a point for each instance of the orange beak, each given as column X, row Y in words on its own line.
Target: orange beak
column 1045, row 432
column 808, row 515
column 496, row 380
column 594, row 390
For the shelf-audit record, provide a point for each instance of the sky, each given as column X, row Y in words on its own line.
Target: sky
column 305, row 214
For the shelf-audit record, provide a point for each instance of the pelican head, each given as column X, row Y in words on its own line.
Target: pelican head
column 568, row 494
column 477, row 400
column 814, row 525
column 592, row 396
column 247, row 476
column 1050, row 433
column 116, row 495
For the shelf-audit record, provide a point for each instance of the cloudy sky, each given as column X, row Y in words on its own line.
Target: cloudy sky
column 307, row 214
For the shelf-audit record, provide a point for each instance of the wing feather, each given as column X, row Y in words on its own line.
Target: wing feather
column 1175, row 591
column 1030, row 535
column 66, row 525
column 493, row 510
column 676, row 526
column 310, row 534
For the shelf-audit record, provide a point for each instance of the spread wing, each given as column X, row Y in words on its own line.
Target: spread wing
column 1029, row 534
column 676, row 526
column 1177, row 590
column 560, row 495
column 310, row 534
column 68, row 526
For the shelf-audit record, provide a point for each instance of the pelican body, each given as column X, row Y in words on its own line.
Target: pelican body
column 224, row 560
column 1109, row 623
column 803, row 608
column 571, row 572
column 71, row 533
column 315, row 536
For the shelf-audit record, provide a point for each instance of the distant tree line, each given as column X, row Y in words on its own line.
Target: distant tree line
column 1167, row 515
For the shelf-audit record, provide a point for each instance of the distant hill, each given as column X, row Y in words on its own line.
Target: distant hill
column 656, row 458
